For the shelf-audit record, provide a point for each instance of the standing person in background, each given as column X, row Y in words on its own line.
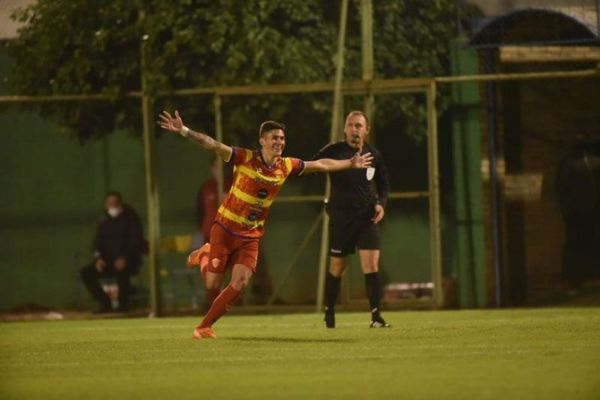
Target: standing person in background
column 118, row 249
column 355, row 209
column 578, row 187
column 207, row 200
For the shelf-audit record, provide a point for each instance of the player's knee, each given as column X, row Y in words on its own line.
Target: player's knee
column 337, row 269
column 213, row 281
column 337, row 272
column 370, row 268
column 240, row 282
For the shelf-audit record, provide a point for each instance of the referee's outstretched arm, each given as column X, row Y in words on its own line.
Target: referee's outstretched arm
column 330, row 165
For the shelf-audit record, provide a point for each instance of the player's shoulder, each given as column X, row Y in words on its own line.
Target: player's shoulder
column 291, row 163
column 287, row 159
column 242, row 153
column 243, row 150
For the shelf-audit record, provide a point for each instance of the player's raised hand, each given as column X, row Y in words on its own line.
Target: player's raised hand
column 170, row 123
column 361, row 161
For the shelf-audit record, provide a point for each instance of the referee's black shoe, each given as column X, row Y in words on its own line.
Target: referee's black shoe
column 329, row 319
column 378, row 322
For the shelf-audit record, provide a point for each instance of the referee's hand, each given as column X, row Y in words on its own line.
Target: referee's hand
column 379, row 213
column 361, row 161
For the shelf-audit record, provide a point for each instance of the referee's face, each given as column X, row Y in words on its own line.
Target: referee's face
column 356, row 130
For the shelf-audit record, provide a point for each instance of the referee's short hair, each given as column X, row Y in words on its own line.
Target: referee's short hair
column 115, row 194
column 357, row 112
column 269, row 126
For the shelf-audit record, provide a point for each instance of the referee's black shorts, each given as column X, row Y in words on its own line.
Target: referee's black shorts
column 351, row 229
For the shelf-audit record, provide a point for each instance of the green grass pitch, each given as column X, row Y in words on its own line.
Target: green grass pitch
column 491, row 354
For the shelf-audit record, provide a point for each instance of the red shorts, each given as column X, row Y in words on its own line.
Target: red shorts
column 227, row 249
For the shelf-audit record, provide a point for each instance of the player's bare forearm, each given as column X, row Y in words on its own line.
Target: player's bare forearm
column 175, row 124
column 208, row 143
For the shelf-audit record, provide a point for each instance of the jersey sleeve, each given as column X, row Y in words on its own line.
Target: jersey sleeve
column 239, row 155
column 296, row 166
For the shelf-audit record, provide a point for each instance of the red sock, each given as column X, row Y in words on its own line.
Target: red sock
column 211, row 295
column 220, row 306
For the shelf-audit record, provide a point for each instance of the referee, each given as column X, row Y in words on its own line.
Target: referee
column 355, row 207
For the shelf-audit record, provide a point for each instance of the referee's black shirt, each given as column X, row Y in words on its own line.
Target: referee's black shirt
column 351, row 190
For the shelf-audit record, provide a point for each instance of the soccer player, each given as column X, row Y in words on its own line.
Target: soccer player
column 355, row 209
column 257, row 179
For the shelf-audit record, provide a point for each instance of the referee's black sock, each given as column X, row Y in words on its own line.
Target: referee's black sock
column 332, row 290
column 374, row 293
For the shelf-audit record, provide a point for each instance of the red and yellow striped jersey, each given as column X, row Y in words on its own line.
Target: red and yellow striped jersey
column 255, row 186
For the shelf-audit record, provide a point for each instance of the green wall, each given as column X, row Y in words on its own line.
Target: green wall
column 51, row 191
column 468, row 262
column 52, row 197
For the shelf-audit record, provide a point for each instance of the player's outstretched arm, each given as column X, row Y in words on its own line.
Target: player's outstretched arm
column 330, row 165
column 175, row 124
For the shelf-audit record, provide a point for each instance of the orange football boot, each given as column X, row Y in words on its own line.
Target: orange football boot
column 199, row 258
column 203, row 333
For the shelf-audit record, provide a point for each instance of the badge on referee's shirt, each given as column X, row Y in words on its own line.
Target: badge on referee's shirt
column 370, row 173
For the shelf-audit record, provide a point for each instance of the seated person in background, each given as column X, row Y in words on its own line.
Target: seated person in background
column 118, row 248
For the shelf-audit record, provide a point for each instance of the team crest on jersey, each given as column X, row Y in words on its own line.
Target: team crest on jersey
column 370, row 173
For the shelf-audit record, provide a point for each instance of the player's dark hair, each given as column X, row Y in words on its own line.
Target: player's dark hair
column 357, row 112
column 269, row 126
column 114, row 193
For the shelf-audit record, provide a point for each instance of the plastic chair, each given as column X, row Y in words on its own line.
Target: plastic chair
column 182, row 244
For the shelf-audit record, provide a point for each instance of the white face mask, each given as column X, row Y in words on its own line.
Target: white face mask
column 114, row 211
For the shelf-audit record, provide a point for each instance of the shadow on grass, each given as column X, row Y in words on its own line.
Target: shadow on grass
column 289, row 340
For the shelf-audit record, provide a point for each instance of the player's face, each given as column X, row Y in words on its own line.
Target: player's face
column 113, row 206
column 356, row 130
column 273, row 143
